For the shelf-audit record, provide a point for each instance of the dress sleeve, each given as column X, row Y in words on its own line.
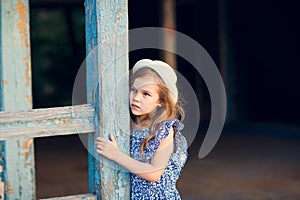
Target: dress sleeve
column 162, row 133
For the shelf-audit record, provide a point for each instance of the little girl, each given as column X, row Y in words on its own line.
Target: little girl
column 158, row 151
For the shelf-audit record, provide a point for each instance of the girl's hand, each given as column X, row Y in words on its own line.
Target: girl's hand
column 107, row 148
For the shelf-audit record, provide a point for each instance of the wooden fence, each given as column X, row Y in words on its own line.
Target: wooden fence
column 20, row 124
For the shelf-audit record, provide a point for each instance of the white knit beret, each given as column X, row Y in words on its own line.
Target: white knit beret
column 165, row 71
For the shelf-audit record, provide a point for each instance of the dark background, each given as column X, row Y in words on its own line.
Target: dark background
column 263, row 41
column 262, row 79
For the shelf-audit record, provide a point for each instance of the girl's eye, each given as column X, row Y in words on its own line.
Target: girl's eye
column 146, row 94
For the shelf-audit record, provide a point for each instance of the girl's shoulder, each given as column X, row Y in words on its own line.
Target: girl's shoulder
column 164, row 129
column 175, row 123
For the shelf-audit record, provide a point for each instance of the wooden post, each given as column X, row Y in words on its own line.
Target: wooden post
column 17, row 157
column 169, row 22
column 226, row 58
column 107, row 91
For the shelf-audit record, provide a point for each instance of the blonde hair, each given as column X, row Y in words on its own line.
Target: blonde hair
column 169, row 108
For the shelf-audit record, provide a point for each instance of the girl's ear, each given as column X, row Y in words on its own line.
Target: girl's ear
column 159, row 104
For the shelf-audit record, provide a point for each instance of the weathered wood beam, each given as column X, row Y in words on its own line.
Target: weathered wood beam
column 46, row 122
column 168, row 14
column 17, row 171
column 75, row 197
column 108, row 90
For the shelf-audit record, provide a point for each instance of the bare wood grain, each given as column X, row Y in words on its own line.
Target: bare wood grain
column 75, row 197
column 46, row 122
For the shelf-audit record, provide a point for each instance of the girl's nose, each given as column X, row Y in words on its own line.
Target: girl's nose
column 136, row 97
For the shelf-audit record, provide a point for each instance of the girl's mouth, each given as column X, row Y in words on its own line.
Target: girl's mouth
column 134, row 106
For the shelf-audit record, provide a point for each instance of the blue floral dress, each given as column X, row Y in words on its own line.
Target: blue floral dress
column 165, row 187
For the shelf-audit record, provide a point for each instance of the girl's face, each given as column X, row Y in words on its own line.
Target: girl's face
column 144, row 97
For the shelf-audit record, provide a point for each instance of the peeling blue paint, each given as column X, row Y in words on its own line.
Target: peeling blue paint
column 105, row 19
column 97, row 177
column 16, row 156
column 15, row 85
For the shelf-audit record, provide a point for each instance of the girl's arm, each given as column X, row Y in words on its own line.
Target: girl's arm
column 149, row 171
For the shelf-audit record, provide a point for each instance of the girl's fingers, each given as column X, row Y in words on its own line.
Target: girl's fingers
column 100, row 144
column 99, row 151
column 100, row 139
column 99, row 148
column 112, row 138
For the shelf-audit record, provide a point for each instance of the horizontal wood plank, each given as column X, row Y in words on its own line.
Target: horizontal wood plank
column 75, row 197
column 47, row 122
